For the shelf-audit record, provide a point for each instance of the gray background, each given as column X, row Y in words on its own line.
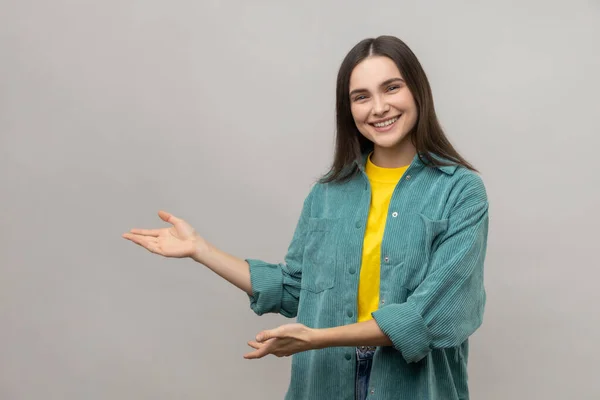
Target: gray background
column 223, row 113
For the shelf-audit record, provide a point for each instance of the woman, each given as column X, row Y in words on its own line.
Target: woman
column 385, row 269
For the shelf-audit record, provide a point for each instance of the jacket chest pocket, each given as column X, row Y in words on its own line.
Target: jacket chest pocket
column 423, row 236
column 319, row 257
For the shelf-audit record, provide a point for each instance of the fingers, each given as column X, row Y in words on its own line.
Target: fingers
column 146, row 232
column 137, row 239
column 178, row 223
column 261, row 351
column 266, row 335
column 256, row 345
column 266, row 348
column 167, row 217
column 261, row 337
column 253, row 356
column 147, row 242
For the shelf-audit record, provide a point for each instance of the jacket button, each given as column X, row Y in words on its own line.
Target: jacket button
column 350, row 314
column 358, row 224
column 348, row 356
column 352, row 271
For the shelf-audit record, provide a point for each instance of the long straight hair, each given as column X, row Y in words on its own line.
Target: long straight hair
column 427, row 135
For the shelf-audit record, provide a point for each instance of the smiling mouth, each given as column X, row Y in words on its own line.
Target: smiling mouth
column 386, row 123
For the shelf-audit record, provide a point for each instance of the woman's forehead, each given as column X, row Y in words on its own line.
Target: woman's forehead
column 373, row 71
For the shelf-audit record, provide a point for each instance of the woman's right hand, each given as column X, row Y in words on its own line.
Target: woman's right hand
column 178, row 241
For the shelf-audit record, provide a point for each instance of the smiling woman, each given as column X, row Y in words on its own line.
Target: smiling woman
column 385, row 268
column 383, row 109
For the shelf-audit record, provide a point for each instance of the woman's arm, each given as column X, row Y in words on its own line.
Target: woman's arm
column 272, row 288
column 182, row 241
column 365, row 333
column 233, row 269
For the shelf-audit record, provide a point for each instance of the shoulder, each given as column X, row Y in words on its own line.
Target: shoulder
column 456, row 186
column 470, row 183
column 467, row 190
column 450, row 175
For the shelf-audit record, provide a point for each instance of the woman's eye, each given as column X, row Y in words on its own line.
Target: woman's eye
column 360, row 97
column 395, row 87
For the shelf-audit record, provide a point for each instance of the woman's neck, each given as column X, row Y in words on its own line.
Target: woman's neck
column 393, row 157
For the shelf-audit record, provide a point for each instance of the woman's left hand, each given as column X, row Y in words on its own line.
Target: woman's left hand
column 283, row 341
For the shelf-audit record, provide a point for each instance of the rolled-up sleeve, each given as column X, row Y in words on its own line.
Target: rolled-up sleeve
column 447, row 307
column 276, row 286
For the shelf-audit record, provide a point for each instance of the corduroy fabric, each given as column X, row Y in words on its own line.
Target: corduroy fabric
column 432, row 296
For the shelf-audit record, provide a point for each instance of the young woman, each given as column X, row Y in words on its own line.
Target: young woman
column 385, row 269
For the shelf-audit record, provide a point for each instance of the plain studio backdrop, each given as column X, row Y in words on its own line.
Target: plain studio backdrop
column 223, row 114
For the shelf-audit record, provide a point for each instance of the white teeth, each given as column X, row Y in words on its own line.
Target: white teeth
column 386, row 123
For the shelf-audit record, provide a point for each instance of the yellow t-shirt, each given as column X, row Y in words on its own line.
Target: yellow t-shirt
column 383, row 182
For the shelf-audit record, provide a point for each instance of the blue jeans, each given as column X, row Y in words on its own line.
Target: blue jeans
column 364, row 360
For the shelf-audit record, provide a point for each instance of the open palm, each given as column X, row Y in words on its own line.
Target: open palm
column 178, row 241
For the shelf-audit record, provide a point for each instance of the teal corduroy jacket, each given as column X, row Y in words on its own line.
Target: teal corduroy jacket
column 432, row 293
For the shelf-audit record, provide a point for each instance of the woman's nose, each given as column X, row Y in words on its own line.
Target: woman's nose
column 380, row 106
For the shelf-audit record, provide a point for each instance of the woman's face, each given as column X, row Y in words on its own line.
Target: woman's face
column 383, row 108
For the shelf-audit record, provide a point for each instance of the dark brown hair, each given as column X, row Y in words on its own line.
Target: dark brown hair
column 427, row 135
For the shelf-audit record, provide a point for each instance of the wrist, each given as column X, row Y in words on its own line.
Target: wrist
column 321, row 338
column 201, row 250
